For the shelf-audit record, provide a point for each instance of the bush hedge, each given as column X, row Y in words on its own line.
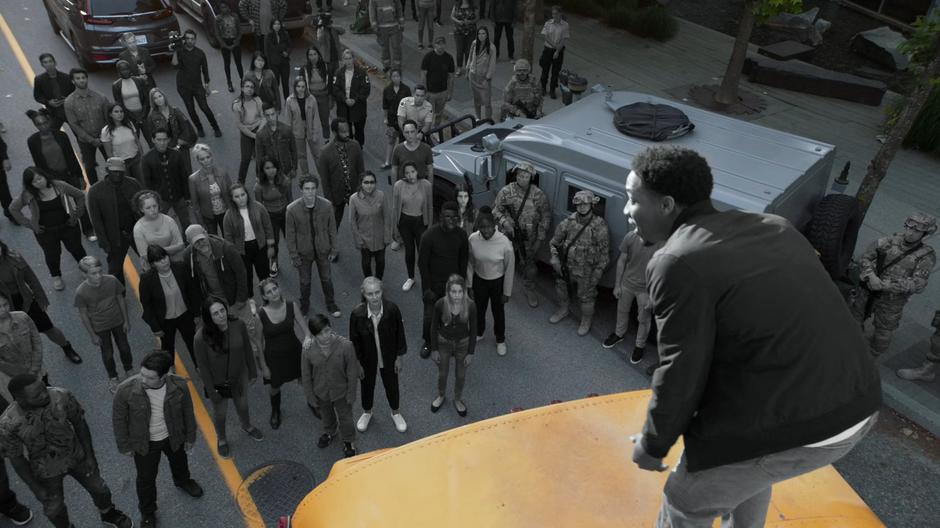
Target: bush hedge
column 925, row 132
column 643, row 18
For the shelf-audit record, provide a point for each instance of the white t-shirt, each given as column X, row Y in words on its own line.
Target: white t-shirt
column 158, row 429
column 349, row 76
column 123, row 141
column 249, row 229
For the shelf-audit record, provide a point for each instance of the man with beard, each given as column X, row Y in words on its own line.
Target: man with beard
column 444, row 250
column 86, row 111
column 340, row 166
column 192, row 81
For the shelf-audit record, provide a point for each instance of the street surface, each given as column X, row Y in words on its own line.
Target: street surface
column 895, row 473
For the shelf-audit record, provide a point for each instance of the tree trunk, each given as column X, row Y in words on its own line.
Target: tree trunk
column 531, row 15
column 878, row 166
column 728, row 92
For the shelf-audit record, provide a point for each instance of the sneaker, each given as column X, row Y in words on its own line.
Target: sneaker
column 460, row 407
column 218, row 132
column 612, row 340
column 425, row 352
column 57, row 283
column 334, row 257
column 408, row 285
column 254, row 433
column 395, row 246
column 92, row 238
column 436, row 404
column 400, row 424
column 924, row 372
column 637, row 355
column 223, row 450
column 324, row 440
column 500, row 349
column 113, row 384
column 420, row 46
column 363, row 422
column 148, row 520
column 116, row 518
column 479, row 338
column 200, row 132
column 334, row 311
column 72, row 355
column 231, row 89
column 19, row 514
column 348, row 450
column 191, row 487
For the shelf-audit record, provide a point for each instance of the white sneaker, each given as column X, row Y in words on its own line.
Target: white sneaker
column 57, row 283
column 407, row 285
column 501, row 349
column 113, row 384
column 399, row 423
column 363, row 422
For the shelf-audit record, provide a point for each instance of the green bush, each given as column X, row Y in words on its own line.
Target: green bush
column 622, row 16
column 655, row 23
column 925, row 132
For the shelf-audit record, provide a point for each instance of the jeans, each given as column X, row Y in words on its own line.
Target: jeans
column 644, row 314
column 89, row 155
column 247, row 149
column 279, row 224
column 458, row 351
column 149, row 465
column 410, row 228
column 498, row 35
column 389, row 381
column 107, row 351
column 438, row 101
column 389, row 39
column 326, row 279
column 220, row 408
column 368, row 257
column 424, row 20
column 198, row 96
column 414, row 11
column 548, row 62
column 282, row 74
column 490, row 292
column 227, row 56
column 186, row 326
column 303, row 164
column 181, row 208
column 337, row 415
column 86, row 473
column 462, row 42
column 213, row 224
column 740, row 493
column 324, row 104
column 257, row 258
column 51, row 242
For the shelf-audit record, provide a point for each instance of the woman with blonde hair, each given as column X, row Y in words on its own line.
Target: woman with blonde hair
column 208, row 189
column 453, row 327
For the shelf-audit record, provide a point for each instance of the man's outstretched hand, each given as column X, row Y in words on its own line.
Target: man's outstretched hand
column 643, row 459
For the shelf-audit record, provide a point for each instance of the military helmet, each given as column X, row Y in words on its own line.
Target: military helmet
column 520, row 65
column 922, row 222
column 581, row 197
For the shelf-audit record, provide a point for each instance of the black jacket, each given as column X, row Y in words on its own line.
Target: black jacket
column 172, row 180
column 103, row 211
column 359, row 90
column 73, row 174
column 153, row 301
column 143, row 57
column 391, row 335
column 758, row 350
column 44, row 91
column 144, row 90
column 229, row 266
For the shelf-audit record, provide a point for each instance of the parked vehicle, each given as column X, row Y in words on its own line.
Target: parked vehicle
column 577, row 147
column 204, row 12
column 93, row 28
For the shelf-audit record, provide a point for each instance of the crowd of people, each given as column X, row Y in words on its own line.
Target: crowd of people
column 143, row 179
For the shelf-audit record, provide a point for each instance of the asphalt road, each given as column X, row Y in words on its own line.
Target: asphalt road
column 896, row 474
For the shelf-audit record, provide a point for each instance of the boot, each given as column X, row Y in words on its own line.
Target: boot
column 924, row 372
column 559, row 314
column 587, row 315
column 275, row 410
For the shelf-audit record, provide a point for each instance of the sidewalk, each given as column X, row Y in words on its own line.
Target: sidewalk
column 698, row 55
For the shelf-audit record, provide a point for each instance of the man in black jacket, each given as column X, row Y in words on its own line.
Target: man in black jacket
column 443, row 251
column 761, row 362
column 192, row 81
column 51, row 87
column 163, row 169
column 377, row 332
column 112, row 215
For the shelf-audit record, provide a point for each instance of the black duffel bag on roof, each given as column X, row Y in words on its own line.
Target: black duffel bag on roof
column 657, row 122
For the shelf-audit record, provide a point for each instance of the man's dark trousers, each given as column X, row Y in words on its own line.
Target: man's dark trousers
column 548, row 62
column 90, row 160
column 198, row 96
column 149, row 465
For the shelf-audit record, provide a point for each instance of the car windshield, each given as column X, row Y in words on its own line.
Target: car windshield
column 102, row 8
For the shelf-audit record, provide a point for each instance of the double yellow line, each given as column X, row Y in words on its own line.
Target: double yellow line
column 230, row 473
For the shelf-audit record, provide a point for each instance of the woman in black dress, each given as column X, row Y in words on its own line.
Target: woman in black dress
column 280, row 362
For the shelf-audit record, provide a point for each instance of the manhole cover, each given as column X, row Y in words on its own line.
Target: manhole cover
column 274, row 490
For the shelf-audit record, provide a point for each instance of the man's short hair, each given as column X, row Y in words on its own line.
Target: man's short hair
column 74, row 71
column 18, row 384
column 409, row 122
column 334, row 124
column 674, row 171
column 43, row 56
column 450, row 206
column 189, row 32
column 153, row 134
column 87, row 262
column 421, row 87
column 158, row 361
column 308, row 179
column 267, row 106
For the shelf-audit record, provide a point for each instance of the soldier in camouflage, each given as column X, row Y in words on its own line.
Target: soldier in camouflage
column 927, row 371
column 523, row 96
column 580, row 254
column 891, row 270
column 523, row 214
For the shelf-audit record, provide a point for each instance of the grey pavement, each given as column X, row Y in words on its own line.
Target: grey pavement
column 545, row 362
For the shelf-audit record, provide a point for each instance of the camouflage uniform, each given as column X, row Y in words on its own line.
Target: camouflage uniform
column 531, row 228
column 522, row 98
column 901, row 280
column 586, row 261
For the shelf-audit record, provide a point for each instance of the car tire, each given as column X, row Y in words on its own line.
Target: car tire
column 833, row 231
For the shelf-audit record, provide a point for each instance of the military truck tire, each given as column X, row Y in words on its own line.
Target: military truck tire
column 833, row 231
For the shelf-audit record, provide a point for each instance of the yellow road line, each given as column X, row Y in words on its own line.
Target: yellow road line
column 230, row 473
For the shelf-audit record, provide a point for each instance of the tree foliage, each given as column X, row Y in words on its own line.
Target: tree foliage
column 766, row 9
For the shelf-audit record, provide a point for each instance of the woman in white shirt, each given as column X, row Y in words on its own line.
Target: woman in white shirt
column 249, row 115
column 490, row 270
column 155, row 228
column 247, row 226
column 120, row 138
